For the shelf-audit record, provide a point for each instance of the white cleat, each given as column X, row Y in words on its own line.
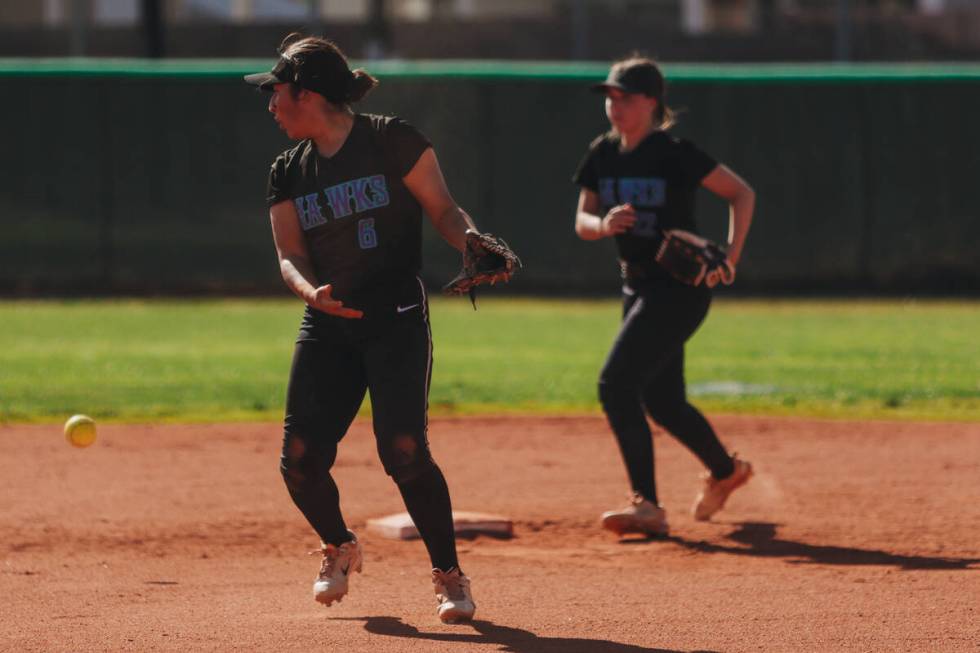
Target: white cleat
column 640, row 516
column 454, row 596
column 715, row 493
column 339, row 562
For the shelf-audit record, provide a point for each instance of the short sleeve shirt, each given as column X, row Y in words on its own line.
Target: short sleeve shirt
column 362, row 226
column 659, row 177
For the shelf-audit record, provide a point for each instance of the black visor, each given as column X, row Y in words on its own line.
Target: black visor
column 282, row 73
column 318, row 72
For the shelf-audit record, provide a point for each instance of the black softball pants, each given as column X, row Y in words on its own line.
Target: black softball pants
column 334, row 365
column 645, row 370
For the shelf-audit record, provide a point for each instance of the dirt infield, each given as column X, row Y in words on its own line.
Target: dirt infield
column 853, row 536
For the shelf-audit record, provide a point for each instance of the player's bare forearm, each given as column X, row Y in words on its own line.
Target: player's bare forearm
column 427, row 185
column 724, row 183
column 740, row 214
column 291, row 250
column 452, row 223
column 588, row 226
column 298, row 275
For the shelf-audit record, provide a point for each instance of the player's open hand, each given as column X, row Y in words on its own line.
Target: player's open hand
column 322, row 300
column 620, row 219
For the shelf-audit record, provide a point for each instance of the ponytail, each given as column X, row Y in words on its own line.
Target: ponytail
column 360, row 85
column 666, row 117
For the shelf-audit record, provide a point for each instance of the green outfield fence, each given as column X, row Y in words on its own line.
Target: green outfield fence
column 149, row 176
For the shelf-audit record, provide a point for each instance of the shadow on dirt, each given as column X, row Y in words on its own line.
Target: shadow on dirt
column 759, row 539
column 510, row 640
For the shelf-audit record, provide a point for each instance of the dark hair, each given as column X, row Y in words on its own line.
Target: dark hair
column 665, row 116
column 320, row 60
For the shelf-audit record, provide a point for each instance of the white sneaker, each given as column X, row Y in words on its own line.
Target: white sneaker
column 454, row 595
column 641, row 516
column 716, row 492
column 339, row 562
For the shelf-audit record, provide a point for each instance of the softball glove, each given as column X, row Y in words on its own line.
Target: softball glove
column 486, row 259
column 694, row 260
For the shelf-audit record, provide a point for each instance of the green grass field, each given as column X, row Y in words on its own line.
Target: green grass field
column 228, row 360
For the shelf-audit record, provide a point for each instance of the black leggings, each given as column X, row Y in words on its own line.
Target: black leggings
column 645, row 369
column 332, row 370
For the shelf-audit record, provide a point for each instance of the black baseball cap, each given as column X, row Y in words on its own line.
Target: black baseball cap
column 320, row 72
column 633, row 77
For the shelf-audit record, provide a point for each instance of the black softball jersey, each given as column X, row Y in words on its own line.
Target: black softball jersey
column 363, row 227
column 659, row 177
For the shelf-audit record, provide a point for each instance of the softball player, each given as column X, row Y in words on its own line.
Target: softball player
column 636, row 181
column 346, row 207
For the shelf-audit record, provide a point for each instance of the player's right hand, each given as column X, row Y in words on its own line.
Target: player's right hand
column 322, row 300
column 620, row 219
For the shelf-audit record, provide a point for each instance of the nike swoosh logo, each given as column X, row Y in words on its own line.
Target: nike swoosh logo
column 402, row 309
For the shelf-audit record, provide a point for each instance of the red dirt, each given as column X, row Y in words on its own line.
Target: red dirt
column 859, row 536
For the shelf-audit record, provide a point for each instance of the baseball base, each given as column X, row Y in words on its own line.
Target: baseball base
column 400, row 526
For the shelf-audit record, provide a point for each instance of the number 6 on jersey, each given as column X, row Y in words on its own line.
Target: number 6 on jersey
column 367, row 237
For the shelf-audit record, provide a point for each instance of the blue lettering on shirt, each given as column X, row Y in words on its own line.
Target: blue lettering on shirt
column 645, row 225
column 607, row 191
column 308, row 210
column 343, row 199
column 338, row 201
column 357, row 196
column 642, row 191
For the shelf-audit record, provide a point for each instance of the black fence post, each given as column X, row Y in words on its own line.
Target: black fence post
column 152, row 16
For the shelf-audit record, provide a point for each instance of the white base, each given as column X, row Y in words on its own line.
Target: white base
column 401, row 527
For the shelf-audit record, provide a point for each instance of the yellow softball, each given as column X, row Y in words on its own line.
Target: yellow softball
column 80, row 430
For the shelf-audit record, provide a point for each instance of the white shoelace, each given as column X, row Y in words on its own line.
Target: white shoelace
column 330, row 558
column 453, row 586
